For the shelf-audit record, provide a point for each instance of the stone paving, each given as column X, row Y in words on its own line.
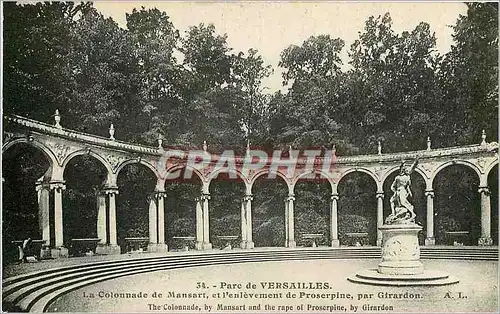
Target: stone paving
column 477, row 290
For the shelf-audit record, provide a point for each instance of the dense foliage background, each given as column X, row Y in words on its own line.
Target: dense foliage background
column 151, row 79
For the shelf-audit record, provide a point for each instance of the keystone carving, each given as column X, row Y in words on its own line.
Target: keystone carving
column 60, row 151
column 114, row 160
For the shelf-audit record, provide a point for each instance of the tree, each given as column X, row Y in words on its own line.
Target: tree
column 37, row 55
column 392, row 86
column 469, row 76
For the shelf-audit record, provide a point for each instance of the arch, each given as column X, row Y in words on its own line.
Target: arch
column 395, row 168
column 315, row 171
column 455, row 162
column 490, row 167
column 360, row 169
column 45, row 150
column 236, row 172
column 266, row 171
column 90, row 153
column 142, row 162
column 178, row 167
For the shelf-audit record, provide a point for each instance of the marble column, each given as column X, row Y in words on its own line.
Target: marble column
column 160, row 196
column 111, row 193
column 287, row 229
column 485, row 238
column 334, row 232
column 153, row 222
column 58, row 213
column 58, row 250
column 380, row 216
column 206, row 222
column 199, row 224
column 248, row 211
column 101, row 219
column 111, row 245
column 291, row 228
column 43, row 191
column 243, row 225
column 429, row 239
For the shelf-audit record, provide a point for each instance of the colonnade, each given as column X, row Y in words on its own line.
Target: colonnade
column 106, row 219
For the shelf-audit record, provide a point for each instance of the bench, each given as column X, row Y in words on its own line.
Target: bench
column 457, row 238
column 229, row 239
column 357, row 238
column 136, row 244
column 184, row 241
column 83, row 246
column 34, row 248
column 313, row 237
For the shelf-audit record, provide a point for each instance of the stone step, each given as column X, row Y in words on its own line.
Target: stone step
column 27, row 290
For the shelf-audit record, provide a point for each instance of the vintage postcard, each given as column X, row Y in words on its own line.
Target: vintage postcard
column 250, row 157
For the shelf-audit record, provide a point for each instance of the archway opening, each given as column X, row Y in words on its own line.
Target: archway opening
column 268, row 211
column 457, row 207
column 22, row 166
column 493, row 186
column 136, row 185
column 85, row 176
column 225, row 211
column 180, row 211
column 418, row 200
column 357, row 210
column 312, row 212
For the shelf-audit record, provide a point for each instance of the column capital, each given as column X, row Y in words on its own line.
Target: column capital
column 334, row 197
column 380, row 195
column 110, row 190
column 205, row 196
column 57, row 185
column 484, row 189
column 248, row 197
column 291, row 197
column 429, row 193
column 160, row 194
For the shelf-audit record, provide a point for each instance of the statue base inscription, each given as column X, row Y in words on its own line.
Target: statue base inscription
column 401, row 265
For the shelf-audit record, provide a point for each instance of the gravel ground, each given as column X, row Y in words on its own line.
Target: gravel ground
column 477, row 290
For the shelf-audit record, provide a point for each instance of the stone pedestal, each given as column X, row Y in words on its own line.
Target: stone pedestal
column 60, row 252
column 400, row 250
column 157, row 248
column 108, row 249
column 400, row 265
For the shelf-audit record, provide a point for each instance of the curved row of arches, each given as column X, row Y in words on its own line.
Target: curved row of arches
column 272, row 214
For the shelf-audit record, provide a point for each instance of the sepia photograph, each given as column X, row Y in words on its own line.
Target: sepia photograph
column 249, row 157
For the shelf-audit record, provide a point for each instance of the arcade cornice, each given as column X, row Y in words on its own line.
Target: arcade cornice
column 44, row 128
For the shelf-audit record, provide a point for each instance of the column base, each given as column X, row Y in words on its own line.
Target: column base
column 45, row 252
column 335, row 243
column 485, row 241
column 60, row 252
column 430, row 241
column 199, row 246
column 291, row 244
column 108, row 249
column 379, row 242
column 157, row 248
column 248, row 245
column 207, row 246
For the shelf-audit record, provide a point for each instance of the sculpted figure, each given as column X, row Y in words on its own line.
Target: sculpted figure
column 401, row 208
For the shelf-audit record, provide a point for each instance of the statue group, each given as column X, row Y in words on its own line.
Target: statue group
column 401, row 209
